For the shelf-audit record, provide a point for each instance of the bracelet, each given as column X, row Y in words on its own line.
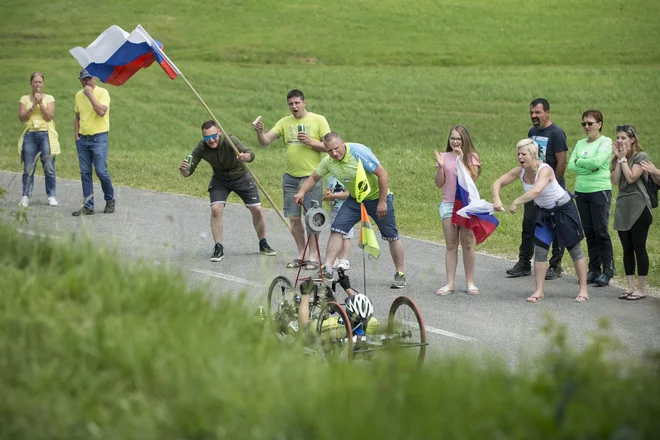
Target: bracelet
column 622, row 160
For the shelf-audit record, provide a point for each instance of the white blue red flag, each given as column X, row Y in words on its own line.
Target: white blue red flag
column 470, row 210
column 115, row 56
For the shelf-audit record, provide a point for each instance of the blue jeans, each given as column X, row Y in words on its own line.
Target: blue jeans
column 93, row 150
column 36, row 142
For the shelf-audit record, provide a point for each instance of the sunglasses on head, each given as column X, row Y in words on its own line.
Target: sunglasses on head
column 210, row 137
column 623, row 128
column 589, row 123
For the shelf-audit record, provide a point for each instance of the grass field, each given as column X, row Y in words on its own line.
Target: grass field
column 95, row 349
column 392, row 75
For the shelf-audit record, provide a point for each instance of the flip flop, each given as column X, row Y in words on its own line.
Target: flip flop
column 581, row 299
column 312, row 265
column 472, row 290
column 295, row 264
column 444, row 291
column 535, row 299
column 625, row 295
column 635, row 297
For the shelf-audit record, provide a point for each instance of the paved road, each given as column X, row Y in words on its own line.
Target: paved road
column 173, row 230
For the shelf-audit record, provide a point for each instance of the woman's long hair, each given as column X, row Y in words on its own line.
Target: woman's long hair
column 468, row 150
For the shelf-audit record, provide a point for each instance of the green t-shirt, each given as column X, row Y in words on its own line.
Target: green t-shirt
column 301, row 160
column 590, row 162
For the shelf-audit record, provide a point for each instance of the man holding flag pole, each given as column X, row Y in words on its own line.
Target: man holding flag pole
column 356, row 166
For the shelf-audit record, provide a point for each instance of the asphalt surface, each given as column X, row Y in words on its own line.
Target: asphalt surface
column 173, row 231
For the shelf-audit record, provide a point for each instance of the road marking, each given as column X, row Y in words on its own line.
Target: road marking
column 439, row 331
column 36, row 234
column 224, row 276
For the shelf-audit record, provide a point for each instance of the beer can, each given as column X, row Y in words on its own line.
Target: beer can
column 301, row 128
column 189, row 159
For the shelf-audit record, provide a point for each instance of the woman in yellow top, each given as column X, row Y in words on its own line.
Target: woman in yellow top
column 39, row 138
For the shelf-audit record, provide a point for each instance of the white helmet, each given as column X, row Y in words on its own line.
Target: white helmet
column 360, row 306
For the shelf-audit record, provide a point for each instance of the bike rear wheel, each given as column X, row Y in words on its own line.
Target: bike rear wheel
column 406, row 327
column 282, row 308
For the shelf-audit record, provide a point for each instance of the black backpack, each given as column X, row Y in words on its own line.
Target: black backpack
column 651, row 189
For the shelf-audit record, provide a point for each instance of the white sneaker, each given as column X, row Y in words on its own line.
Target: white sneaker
column 52, row 201
column 343, row 264
column 25, row 202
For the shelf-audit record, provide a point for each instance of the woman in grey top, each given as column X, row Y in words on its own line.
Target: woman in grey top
column 632, row 214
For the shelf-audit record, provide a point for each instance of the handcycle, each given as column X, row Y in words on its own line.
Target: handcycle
column 336, row 336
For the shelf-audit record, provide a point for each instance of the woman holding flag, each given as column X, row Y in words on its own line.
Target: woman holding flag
column 556, row 215
column 459, row 148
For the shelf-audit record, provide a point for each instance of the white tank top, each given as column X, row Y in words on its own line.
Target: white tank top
column 552, row 195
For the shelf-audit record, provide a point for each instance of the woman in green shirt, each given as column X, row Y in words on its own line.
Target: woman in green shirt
column 632, row 214
column 590, row 162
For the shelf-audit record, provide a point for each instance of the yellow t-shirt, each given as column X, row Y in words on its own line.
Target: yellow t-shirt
column 36, row 121
column 301, row 160
column 90, row 122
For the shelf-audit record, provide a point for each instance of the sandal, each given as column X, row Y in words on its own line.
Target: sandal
column 535, row 299
column 472, row 290
column 444, row 291
column 625, row 295
column 312, row 265
column 635, row 297
column 295, row 264
column 581, row 299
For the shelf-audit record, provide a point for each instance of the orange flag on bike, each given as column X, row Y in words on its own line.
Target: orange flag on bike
column 368, row 240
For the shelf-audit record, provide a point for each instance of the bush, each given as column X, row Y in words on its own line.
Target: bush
column 91, row 348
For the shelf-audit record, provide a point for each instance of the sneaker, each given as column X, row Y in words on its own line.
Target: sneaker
column 591, row 277
column 109, row 207
column 343, row 264
column 521, row 269
column 399, row 281
column 326, row 273
column 218, row 253
column 25, row 202
column 553, row 273
column 83, row 211
column 265, row 249
column 52, row 201
column 602, row 280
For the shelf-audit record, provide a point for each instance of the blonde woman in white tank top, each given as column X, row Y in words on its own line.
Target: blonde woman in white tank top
column 555, row 203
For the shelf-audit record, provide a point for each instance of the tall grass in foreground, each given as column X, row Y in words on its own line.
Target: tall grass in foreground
column 91, row 348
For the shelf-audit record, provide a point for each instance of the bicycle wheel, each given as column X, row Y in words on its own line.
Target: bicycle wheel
column 334, row 331
column 406, row 327
column 282, row 308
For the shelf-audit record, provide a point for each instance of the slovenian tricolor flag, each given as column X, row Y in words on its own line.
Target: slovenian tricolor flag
column 116, row 55
column 470, row 210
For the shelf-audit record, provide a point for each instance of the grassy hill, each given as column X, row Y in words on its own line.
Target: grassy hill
column 392, row 75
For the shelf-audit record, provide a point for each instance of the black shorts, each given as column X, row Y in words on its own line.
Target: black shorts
column 244, row 187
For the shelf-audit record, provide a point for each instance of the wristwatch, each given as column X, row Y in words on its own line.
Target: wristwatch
column 622, row 160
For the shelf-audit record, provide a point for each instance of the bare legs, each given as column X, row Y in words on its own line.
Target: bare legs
column 454, row 234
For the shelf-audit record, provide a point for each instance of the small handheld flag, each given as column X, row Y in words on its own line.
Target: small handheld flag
column 368, row 241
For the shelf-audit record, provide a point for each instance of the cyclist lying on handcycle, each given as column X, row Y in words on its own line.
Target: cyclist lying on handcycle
column 358, row 307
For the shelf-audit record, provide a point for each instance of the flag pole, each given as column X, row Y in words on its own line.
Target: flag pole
column 256, row 180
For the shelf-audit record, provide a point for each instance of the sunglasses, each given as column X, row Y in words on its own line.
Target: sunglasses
column 589, row 123
column 623, row 127
column 210, row 137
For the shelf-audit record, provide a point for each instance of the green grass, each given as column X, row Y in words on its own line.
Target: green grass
column 392, row 75
column 92, row 348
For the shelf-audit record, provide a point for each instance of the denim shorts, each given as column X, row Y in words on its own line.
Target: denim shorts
column 349, row 214
column 333, row 215
column 290, row 187
column 446, row 209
